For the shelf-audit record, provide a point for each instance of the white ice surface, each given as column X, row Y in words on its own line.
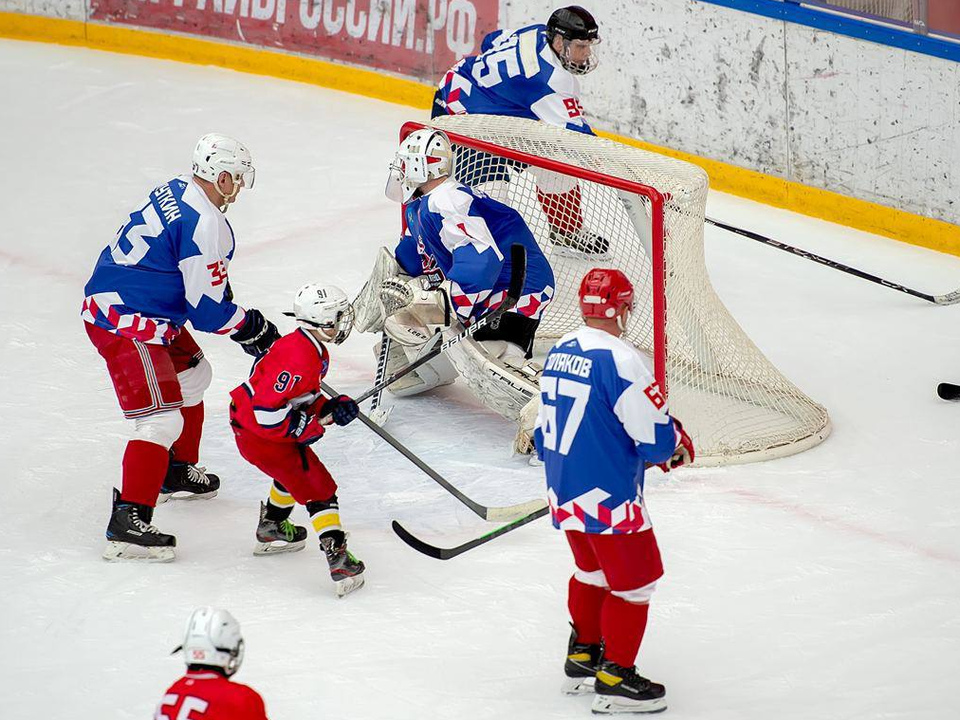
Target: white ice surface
column 825, row 585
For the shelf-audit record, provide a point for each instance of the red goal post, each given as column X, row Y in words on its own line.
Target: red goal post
column 592, row 202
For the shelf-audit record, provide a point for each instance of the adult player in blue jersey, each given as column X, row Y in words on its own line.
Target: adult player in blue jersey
column 531, row 73
column 602, row 420
column 168, row 265
column 456, row 239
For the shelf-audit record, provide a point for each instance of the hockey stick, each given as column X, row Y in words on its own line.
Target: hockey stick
column 446, row 553
column 493, row 514
column 948, row 391
column 949, row 298
column 518, row 276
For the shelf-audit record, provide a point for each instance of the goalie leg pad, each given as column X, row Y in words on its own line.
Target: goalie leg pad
column 428, row 376
column 498, row 385
column 523, row 442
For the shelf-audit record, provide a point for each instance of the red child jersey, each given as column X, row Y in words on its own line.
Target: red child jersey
column 276, row 402
column 208, row 695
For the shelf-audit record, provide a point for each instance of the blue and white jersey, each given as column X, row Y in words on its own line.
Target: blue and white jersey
column 601, row 418
column 167, row 264
column 467, row 236
column 516, row 74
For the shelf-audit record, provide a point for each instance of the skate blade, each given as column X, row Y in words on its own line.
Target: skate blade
column 127, row 552
column 615, row 705
column 578, row 686
column 185, row 495
column 348, row 585
column 278, row 546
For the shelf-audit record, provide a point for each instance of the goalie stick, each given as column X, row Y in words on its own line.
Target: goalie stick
column 949, row 298
column 948, row 391
column 518, row 276
column 441, row 553
column 492, row 514
column 377, row 414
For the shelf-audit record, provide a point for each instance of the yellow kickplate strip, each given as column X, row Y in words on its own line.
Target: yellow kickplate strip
column 860, row 214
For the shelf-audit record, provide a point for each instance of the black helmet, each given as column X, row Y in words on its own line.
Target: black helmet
column 573, row 23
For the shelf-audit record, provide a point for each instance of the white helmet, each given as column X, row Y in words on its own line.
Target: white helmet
column 213, row 638
column 216, row 153
column 423, row 155
column 323, row 307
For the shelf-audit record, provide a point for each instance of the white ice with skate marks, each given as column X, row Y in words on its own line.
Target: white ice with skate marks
column 824, row 585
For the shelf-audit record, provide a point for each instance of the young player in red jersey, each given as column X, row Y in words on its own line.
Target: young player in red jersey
column 279, row 412
column 213, row 650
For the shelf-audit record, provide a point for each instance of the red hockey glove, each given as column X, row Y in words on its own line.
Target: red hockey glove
column 684, row 454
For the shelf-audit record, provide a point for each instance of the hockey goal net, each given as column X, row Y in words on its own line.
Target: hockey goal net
column 592, row 202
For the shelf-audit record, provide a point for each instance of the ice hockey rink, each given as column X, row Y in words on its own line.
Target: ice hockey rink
column 823, row 585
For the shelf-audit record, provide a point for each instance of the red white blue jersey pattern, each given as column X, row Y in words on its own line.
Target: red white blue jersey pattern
column 284, row 379
column 602, row 417
column 167, row 264
column 467, row 236
column 519, row 75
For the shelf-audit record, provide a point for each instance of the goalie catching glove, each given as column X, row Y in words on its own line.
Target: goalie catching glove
column 684, row 454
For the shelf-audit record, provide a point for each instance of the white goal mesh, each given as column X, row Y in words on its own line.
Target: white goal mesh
column 592, row 202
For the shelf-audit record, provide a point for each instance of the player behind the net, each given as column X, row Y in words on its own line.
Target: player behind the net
column 456, row 244
column 530, row 73
column 166, row 266
column 601, row 421
column 213, row 651
column 279, row 412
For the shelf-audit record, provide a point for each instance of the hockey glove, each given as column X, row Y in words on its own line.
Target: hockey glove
column 343, row 408
column 684, row 454
column 305, row 429
column 257, row 334
column 396, row 294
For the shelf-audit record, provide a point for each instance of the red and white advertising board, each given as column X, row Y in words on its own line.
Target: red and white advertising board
column 417, row 38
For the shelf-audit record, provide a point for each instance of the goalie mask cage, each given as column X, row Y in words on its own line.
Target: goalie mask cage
column 592, row 202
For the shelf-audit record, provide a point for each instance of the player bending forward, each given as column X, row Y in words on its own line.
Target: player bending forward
column 456, row 245
column 530, row 73
column 213, row 650
column 279, row 412
column 602, row 419
column 167, row 265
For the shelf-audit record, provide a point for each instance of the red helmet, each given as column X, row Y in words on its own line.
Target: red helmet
column 604, row 292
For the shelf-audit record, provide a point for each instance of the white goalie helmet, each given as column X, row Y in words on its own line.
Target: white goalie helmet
column 423, row 155
column 323, row 307
column 216, row 153
column 213, row 637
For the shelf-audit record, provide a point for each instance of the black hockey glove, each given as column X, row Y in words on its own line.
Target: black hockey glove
column 257, row 334
column 303, row 428
column 343, row 408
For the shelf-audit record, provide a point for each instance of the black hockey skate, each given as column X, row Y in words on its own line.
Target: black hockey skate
column 582, row 241
column 278, row 536
column 130, row 536
column 345, row 569
column 622, row 690
column 580, row 667
column 188, row 482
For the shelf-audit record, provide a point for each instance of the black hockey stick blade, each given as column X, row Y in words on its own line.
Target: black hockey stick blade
column 491, row 514
column 441, row 553
column 948, row 391
column 949, row 298
column 518, row 278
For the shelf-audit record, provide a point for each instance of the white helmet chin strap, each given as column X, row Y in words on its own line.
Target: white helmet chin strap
column 227, row 198
column 623, row 320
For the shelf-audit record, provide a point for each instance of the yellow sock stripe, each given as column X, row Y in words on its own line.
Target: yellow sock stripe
column 281, row 499
column 326, row 520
